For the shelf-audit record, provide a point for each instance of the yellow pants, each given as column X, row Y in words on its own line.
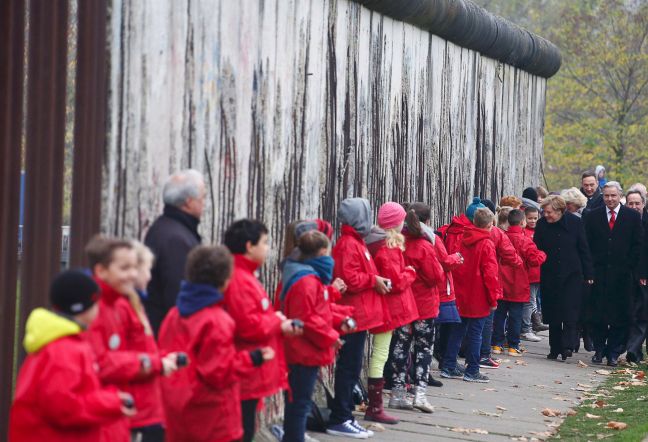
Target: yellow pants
column 379, row 354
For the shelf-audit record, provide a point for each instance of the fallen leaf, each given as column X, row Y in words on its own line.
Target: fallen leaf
column 603, row 372
column 361, row 407
column 375, row 427
column 581, row 364
column 618, row 410
column 619, row 388
column 617, row 425
column 521, row 362
column 550, row 412
column 557, row 382
column 500, row 408
column 570, row 412
column 468, row 430
column 639, row 375
column 488, row 389
column 592, row 416
column 599, row 404
column 486, row 413
column 584, row 385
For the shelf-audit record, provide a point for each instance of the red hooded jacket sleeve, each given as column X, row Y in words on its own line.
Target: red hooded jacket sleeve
column 391, row 268
column 506, row 253
column 490, row 271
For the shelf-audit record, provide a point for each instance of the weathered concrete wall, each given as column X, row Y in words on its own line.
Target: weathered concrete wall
column 289, row 106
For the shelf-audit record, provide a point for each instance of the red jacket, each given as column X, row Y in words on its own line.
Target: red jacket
column 202, row 401
column 515, row 280
column 257, row 326
column 58, row 394
column 532, row 271
column 309, row 300
column 506, row 253
column 452, row 233
column 476, row 281
column 420, row 254
column 118, row 339
column 399, row 302
column 448, row 263
column 355, row 266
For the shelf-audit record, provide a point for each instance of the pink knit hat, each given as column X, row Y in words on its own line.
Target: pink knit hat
column 390, row 215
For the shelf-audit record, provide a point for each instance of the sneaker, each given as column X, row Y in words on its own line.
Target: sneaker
column 278, row 432
column 531, row 337
column 496, row 349
column 488, row 363
column 309, row 438
column 480, row 378
column 514, row 352
column 356, row 424
column 457, row 373
column 347, row 429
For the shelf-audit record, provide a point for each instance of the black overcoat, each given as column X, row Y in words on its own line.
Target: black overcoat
column 171, row 238
column 568, row 264
column 640, row 302
column 615, row 256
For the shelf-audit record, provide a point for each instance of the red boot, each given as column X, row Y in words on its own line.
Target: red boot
column 375, row 410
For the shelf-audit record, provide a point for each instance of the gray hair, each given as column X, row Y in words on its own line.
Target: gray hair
column 639, row 188
column 636, row 192
column 181, row 186
column 574, row 196
column 614, row 185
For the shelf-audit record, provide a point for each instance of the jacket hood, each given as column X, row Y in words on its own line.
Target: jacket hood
column 291, row 272
column 44, row 326
column 514, row 229
column 194, row 297
column 598, row 170
column 356, row 212
column 375, row 240
column 526, row 202
column 472, row 235
column 428, row 233
column 459, row 224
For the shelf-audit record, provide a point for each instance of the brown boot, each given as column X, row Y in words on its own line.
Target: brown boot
column 536, row 323
column 376, row 411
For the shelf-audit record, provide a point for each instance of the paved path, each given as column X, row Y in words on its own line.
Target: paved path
column 521, row 387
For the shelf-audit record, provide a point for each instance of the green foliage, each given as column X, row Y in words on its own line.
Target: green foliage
column 597, row 104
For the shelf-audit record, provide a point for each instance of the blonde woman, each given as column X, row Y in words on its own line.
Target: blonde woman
column 575, row 200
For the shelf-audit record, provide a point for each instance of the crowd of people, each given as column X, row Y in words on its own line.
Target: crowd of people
column 174, row 340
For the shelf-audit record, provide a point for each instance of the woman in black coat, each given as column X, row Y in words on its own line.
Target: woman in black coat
column 561, row 236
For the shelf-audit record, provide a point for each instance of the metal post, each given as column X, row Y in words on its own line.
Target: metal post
column 89, row 126
column 45, row 143
column 12, row 46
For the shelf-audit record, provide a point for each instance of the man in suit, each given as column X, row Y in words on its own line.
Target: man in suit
column 590, row 188
column 615, row 236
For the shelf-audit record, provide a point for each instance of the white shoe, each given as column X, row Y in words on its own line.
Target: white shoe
column 532, row 337
column 421, row 402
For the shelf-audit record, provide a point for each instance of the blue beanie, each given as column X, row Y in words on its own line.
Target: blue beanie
column 476, row 204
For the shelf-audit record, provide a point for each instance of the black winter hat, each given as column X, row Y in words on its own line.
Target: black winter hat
column 530, row 193
column 73, row 292
column 489, row 204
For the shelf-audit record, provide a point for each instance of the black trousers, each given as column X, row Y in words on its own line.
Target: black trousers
column 563, row 336
column 248, row 411
column 609, row 340
column 151, row 433
column 347, row 374
column 637, row 336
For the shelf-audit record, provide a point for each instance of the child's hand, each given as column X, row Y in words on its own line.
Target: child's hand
column 267, row 353
column 339, row 285
column 338, row 344
column 411, row 268
column 128, row 404
column 281, row 316
column 349, row 325
column 289, row 329
column 381, row 285
column 169, row 364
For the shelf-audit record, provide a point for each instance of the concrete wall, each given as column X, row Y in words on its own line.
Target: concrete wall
column 289, row 106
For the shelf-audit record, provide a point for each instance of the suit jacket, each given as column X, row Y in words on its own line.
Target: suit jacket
column 616, row 255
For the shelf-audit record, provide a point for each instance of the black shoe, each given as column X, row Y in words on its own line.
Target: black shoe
column 552, row 356
column 433, row 382
column 612, row 361
column 630, row 357
column 597, row 358
column 567, row 353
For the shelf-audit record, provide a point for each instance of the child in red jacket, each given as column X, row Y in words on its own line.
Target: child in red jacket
column 386, row 244
column 477, row 289
column 421, row 255
column 305, row 295
column 202, row 402
column 531, row 319
column 515, row 282
column 127, row 354
column 58, row 393
column 257, row 323
column 355, row 266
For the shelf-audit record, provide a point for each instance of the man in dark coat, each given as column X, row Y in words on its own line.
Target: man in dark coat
column 171, row 238
column 615, row 238
column 639, row 328
column 590, row 188
column 561, row 236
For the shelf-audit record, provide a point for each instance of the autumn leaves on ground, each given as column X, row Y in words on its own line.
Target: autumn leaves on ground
column 616, row 410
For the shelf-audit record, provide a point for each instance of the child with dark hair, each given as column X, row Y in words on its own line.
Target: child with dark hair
column 257, row 323
column 420, row 254
column 515, row 283
column 128, row 356
column 59, row 396
column 305, row 295
column 199, row 326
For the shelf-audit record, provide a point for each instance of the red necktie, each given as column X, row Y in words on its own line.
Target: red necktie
column 612, row 219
